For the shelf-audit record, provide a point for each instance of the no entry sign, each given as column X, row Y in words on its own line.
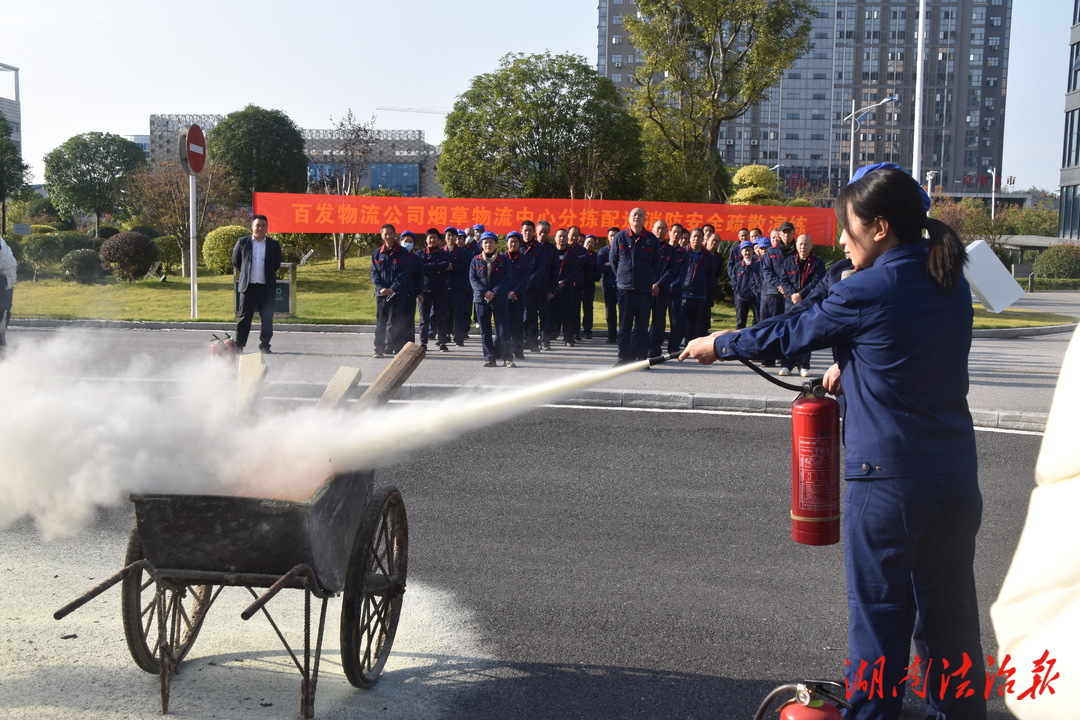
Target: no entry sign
column 192, row 149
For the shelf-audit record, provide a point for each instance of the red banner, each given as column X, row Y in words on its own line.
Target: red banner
column 296, row 213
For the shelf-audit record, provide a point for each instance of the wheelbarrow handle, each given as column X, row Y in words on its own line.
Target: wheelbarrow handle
column 100, row 588
column 282, row 582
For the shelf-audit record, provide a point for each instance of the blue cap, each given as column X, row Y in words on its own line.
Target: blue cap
column 478, row 227
column 878, row 166
column 514, row 233
column 746, row 244
column 491, row 235
column 450, row 229
column 462, row 233
column 407, row 232
column 763, row 242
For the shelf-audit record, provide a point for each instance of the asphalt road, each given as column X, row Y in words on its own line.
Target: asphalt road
column 565, row 564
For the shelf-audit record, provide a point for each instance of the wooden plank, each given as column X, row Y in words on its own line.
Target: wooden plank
column 249, row 377
column 344, row 380
column 392, row 377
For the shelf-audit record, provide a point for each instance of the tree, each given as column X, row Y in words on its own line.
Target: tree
column 707, row 62
column 89, row 172
column 341, row 173
column 13, row 171
column 756, row 185
column 263, row 147
column 541, row 126
column 161, row 196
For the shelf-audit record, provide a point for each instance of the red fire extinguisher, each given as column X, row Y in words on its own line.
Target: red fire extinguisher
column 815, row 469
column 814, row 700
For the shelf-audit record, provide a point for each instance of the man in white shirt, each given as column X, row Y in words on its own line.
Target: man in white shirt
column 257, row 258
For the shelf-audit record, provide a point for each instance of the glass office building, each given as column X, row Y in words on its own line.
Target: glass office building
column 1069, row 216
column 864, row 53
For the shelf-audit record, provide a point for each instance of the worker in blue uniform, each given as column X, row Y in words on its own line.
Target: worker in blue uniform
column 459, row 293
column 802, row 272
column 670, row 264
column 433, row 296
column 696, row 283
column 590, row 275
column 901, row 329
column 568, row 276
column 745, row 279
column 609, row 287
column 538, row 296
column 392, row 279
column 635, row 259
column 490, row 278
column 520, row 274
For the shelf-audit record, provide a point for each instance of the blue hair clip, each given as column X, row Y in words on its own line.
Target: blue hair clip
column 878, row 166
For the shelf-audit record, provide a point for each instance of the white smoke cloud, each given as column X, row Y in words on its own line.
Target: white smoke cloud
column 72, row 439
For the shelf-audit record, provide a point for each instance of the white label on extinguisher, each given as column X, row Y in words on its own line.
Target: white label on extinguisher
column 819, row 476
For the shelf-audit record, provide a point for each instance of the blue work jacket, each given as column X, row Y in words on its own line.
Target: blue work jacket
column 636, row 260
column 902, row 345
column 391, row 269
column 698, row 274
column 436, row 270
column 498, row 281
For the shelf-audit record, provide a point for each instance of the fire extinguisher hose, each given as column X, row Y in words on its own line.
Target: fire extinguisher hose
column 812, row 387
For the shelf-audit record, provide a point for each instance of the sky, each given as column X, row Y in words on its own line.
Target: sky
column 108, row 65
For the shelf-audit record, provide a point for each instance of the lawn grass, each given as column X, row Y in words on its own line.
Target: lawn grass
column 325, row 295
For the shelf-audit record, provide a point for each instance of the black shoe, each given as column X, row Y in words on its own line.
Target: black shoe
column 509, row 363
column 569, row 343
column 423, row 345
column 519, row 355
column 377, row 354
column 489, row 363
column 459, row 343
column 443, row 348
column 622, row 361
column 547, row 346
column 612, row 341
column 265, row 350
column 588, row 335
column 533, row 347
column 769, row 363
column 238, row 349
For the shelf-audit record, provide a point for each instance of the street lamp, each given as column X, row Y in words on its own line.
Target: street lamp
column 993, row 191
column 854, row 117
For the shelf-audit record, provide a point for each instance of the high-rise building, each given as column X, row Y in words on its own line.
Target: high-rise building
column 10, row 107
column 400, row 159
column 1069, row 213
column 864, row 53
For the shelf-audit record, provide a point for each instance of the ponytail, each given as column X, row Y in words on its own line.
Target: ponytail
column 945, row 256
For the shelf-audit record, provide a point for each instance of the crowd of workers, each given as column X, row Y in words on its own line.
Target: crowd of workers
column 658, row 286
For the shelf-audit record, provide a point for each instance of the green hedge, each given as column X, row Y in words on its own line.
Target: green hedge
column 218, row 247
column 1059, row 261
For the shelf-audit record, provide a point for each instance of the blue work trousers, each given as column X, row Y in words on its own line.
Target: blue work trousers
column 909, row 549
column 635, row 309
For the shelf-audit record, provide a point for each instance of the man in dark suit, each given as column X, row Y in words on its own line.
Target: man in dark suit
column 257, row 258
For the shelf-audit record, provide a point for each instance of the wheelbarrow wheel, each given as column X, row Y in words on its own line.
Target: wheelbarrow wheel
column 185, row 608
column 374, row 586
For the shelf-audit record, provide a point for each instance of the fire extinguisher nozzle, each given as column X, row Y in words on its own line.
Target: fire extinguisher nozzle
column 662, row 358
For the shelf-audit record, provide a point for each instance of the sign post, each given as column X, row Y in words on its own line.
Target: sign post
column 193, row 158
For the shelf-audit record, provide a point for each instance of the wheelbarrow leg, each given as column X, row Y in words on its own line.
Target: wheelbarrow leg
column 310, row 675
column 165, row 654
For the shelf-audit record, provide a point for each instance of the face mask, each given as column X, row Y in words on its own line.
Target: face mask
column 408, row 246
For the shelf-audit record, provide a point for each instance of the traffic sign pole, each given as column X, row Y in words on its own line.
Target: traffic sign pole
column 193, row 157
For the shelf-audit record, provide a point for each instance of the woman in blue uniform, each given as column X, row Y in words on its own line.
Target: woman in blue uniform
column 901, row 329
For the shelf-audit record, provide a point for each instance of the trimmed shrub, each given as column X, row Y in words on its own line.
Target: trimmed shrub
column 42, row 230
column 1059, row 261
column 82, row 266
column 218, row 247
column 42, row 250
column 107, row 231
column 147, row 230
column 129, row 255
column 72, row 240
column 169, row 252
